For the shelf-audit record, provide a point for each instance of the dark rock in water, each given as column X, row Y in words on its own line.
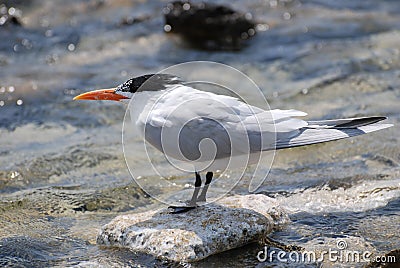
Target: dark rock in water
column 389, row 260
column 209, row 26
column 230, row 223
column 9, row 16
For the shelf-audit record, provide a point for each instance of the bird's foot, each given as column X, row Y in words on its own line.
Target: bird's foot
column 189, row 205
column 180, row 209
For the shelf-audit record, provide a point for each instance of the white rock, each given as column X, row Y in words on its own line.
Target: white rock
column 231, row 222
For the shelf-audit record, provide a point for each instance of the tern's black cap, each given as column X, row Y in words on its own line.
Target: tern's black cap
column 149, row 82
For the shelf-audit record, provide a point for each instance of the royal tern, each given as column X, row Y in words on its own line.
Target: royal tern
column 236, row 128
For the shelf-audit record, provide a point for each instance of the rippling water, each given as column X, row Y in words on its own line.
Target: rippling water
column 62, row 171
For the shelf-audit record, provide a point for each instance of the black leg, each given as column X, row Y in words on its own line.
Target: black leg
column 202, row 196
column 192, row 203
column 197, row 185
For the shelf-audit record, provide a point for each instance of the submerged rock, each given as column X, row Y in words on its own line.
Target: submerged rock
column 390, row 259
column 209, row 26
column 230, row 223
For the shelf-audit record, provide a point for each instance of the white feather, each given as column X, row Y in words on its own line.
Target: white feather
column 178, row 119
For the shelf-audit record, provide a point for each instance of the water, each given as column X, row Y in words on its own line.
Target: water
column 62, row 171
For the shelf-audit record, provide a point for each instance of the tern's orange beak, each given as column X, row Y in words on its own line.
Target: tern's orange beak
column 101, row 94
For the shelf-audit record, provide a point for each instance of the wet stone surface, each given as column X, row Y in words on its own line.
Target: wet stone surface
column 230, row 223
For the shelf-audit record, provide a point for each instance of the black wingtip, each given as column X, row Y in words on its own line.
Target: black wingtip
column 362, row 121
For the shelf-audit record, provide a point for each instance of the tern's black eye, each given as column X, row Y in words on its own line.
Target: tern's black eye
column 149, row 82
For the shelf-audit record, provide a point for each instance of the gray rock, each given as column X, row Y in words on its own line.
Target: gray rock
column 229, row 223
